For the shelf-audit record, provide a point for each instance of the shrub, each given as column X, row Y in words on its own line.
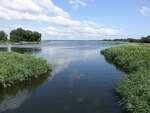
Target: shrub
column 20, row 34
column 145, row 39
column 3, row 36
column 132, row 40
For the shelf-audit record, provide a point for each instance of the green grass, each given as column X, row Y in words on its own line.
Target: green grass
column 111, row 42
column 135, row 87
column 15, row 68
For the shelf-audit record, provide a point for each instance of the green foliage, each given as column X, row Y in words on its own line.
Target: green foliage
column 145, row 39
column 19, row 34
column 15, row 67
column 134, row 88
column 132, row 40
column 142, row 40
column 3, row 36
column 111, row 42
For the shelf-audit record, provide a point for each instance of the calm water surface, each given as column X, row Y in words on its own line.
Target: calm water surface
column 81, row 81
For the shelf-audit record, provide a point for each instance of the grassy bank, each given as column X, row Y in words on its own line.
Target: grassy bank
column 134, row 88
column 15, row 68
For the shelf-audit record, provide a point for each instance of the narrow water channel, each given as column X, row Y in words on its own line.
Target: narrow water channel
column 81, row 81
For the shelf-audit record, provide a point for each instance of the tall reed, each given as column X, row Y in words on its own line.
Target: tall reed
column 134, row 88
column 15, row 67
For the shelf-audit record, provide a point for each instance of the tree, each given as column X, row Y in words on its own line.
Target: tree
column 132, row 40
column 3, row 36
column 145, row 39
column 20, row 34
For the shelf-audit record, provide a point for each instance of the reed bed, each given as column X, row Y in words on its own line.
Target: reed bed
column 135, row 87
column 15, row 68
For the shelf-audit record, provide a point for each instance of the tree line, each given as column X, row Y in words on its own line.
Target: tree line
column 19, row 34
column 145, row 39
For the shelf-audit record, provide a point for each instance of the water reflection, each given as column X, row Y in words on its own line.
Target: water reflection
column 34, row 50
column 14, row 97
column 13, row 102
column 83, row 82
column 26, row 50
column 3, row 49
column 61, row 57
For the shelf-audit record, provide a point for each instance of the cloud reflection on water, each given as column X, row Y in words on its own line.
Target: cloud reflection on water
column 13, row 102
column 61, row 57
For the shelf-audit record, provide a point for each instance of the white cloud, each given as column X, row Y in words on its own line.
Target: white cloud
column 77, row 3
column 59, row 21
column 21, row 5
column 30, row 9
column 49, row 6
column 145, row 11
column 63, row 32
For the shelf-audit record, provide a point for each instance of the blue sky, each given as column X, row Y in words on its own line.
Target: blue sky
column 78, row 19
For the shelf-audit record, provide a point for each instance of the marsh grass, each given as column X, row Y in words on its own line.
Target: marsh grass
column 134, row 88
column 15, row 68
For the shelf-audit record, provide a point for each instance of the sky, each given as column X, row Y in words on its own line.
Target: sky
column 78, row 19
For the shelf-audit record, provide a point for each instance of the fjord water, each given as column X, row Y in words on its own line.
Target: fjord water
column 81, row 81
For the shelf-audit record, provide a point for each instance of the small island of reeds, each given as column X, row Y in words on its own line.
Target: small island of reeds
column 16, row 68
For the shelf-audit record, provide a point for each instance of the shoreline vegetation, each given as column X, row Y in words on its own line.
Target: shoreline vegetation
column 133, row 56
column 135, row 87
column 125, row 41
column 112, row 42
column 20, row 35
column 16, row 68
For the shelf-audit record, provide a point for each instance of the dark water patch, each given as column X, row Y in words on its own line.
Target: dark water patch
column 3, row 49
column 26, row 50
column 13, row 97
column 22, row 50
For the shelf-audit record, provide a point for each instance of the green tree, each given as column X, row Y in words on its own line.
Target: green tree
column 132, row 40
column 145, row 39
column 3, row 36
column 20, row 34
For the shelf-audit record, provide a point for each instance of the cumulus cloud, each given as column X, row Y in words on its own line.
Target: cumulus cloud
column 59, row 22
column 145, row 11
column 37, row 10
column 77, row 3
column 71, row 33
column 26, row 5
